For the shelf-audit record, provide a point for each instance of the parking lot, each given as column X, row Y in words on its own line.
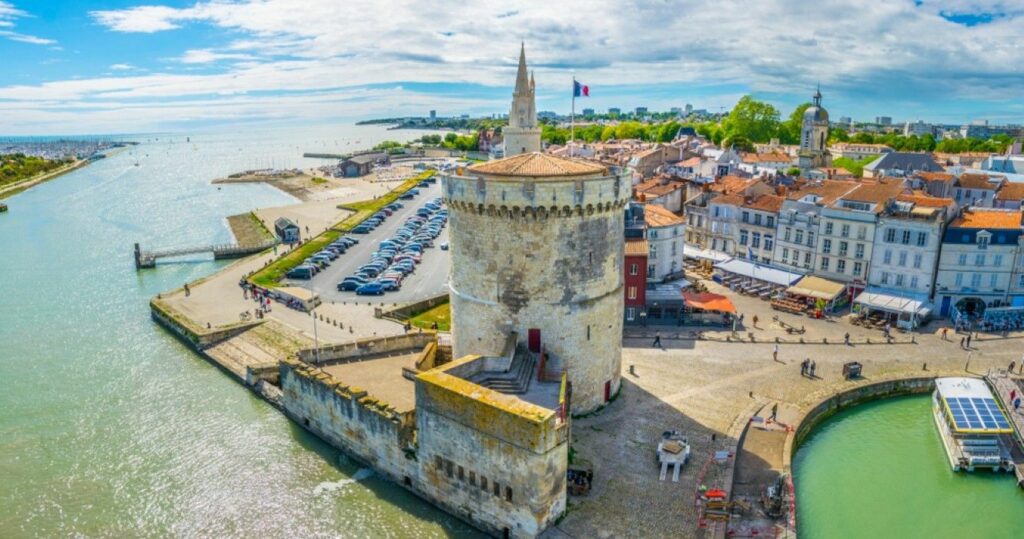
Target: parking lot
column 429, row 279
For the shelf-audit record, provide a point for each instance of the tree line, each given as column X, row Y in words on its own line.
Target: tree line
column 17, row 166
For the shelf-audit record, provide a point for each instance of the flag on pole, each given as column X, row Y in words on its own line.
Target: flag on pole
column 580, row 90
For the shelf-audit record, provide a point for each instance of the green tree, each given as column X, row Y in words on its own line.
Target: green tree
column 789, row 131
column 738, row 142
column 755, row 120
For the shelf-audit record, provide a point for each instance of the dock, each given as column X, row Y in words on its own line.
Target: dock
column 147, row 259
column 1002, row 384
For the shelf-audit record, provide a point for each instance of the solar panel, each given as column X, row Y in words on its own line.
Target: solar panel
column 976, row 413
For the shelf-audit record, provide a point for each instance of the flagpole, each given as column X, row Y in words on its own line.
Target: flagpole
column 572, row 118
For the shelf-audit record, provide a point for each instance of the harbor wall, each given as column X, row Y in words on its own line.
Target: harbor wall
column 351, row 420
column 371, row 346
column 186, row 330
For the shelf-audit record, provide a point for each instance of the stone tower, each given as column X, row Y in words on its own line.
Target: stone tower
column 537, row 249
column 522, row 134
column 814, row 136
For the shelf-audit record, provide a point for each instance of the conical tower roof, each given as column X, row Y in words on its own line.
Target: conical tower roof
column 522, row 76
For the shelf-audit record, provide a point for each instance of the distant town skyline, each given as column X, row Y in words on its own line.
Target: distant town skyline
column 129, row 66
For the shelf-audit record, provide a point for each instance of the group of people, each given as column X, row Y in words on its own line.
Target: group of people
column 807, row 368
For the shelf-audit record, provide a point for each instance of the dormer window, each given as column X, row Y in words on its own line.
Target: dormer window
column 983, row 239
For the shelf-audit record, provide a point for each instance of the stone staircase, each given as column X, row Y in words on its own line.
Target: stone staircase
column 514, row 381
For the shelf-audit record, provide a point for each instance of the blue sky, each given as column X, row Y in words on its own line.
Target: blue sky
column 79, row 66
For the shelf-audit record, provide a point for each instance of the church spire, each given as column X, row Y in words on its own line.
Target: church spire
column 817, row 96
column 522, row 77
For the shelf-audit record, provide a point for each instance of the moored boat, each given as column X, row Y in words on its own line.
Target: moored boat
column 973, row 427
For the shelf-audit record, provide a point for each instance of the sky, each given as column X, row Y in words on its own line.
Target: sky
column 128, row 66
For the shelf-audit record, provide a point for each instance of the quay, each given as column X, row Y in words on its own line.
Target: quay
column 147, row 259
column 1003, row 385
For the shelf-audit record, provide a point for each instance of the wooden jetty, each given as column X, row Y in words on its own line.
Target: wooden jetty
column 1002, row 384
column 147, row 259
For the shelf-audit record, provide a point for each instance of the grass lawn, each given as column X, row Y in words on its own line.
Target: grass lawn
column 442, row 314
column 269, row 276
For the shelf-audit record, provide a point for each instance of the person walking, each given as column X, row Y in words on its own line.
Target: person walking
column 657, row 340
column 962, row 340
column 775, row 412
column 813, row 366
column 846, row 338
column 1010, row 369
column 804, row 365
column 775, row 353
column 968, row 340
column 754, row 320
column 944, row 332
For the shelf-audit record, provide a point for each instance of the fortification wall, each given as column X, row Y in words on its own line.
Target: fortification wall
column 370, row 346
column 492, row 459
column 544, row 255
column 349, row 419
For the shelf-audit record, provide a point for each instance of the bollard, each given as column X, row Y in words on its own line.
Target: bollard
column 801, row 340
column 824, row 340
column 341, row 325
column 350, row 329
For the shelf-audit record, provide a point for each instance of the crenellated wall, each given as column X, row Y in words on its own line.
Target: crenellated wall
column 542, row 254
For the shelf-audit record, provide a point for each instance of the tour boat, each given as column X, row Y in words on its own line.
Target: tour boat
column 973, row 427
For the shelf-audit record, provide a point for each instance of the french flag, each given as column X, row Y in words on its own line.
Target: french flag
column 580, row 90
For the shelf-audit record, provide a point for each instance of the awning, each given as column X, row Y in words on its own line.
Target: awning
column 894, row 304
column 709, row 302
column 759, row 272
column 692, row 251
column 812, row 286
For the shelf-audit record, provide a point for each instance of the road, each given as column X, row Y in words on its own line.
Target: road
column 429, row 279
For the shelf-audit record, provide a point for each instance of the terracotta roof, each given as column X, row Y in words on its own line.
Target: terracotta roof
column 769, row 203
column 656, row 188
column 828, row 190
column 977, row 218
column 978, row 181
column 691, row 162
column 874, row 192
column 927, row 201
column 771, row 157
column 732, row 184
column 536, row 164
column 1011, row 191
column 636, row 247
column 728, row 200
column 934, row 176
column 657, row 216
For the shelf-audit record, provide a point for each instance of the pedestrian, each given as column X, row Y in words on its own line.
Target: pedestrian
column 803, row 366
column 846, row 338
column 754, row 319
column 1013, row 394
column 775, row 412
column 813, row 366
column 944, row 332
column 962, row 339
column 1016, row 404
column 1012, row 365
column 657, row 340
column 775, row 353
column 741, row 318
column 968, row 340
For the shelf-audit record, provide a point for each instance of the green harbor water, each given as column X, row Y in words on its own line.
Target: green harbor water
column 878, row 471
column 109, row 427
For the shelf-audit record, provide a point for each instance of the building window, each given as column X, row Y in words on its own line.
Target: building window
column 785, row 234
column 810, row 239
column 632, row 295
column 922, row 239
column 913, row 281
column 1020, row 281
column 497, row 489
column 630, row 313
column 997, row 260
column 887, row 257
column 826, row 246
column 757, row 219
column 799, row 238
column 771, row 221
column 885, row 277
column 917, row 260
column 862, row 232
column 673, row 249
column 857, row 266
column 633, row 269
column 652, row 252
column 959, row 281
column 439, row 461
column 828, row 228
column 859, row 251
column 992, row 280
column 905, row 239
column 961, row 260
column 982, row 241
column 462, row 473
column 807, row 259
column 841, row 266
column 979, row 260
column 448, row 468
column 508, row 494
column 755, row 240
column 824, row 263
column 472, row 478
column 651, row 270
column 785, row 255
column 483, row 482
column 746, row 217
column 845, row 231
column 769, row 242
column 653, row 234
column 975, row 280
column 843, row 247
column 903, row 259
column 743, row 237
column 899, row 279
column 890, row 235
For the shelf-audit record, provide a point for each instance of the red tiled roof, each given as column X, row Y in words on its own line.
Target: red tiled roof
column 769, row 203
column 657, row 216
column 1011, row 191
column 978, row 218
column 636, row 247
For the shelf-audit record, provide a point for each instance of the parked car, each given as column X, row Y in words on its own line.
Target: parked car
column 370, row 289
column 300, row 272
column 361, row 229
column 444, row 246
column 351, row 283
column 389, row 285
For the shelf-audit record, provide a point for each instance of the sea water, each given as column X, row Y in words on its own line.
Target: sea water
column 110, row 427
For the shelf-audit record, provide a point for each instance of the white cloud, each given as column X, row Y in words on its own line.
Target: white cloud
column 8, row 14
column 121, row 67
column 888, row 53
column 24, row 38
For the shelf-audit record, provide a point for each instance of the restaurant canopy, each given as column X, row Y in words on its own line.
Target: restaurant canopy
column 692, row 251
column 892, row 303
column 758, row 272
column 707, row 301
column 815, row 287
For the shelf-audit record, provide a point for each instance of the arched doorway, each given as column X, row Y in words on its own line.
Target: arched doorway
column 971, row 307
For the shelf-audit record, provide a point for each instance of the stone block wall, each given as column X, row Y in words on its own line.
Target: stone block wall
column 543, row 255
column 370, row 346
column 492, row 459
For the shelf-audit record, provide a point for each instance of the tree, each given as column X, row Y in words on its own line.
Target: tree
column 789, row 131
column 755, row 120
column 738, row 142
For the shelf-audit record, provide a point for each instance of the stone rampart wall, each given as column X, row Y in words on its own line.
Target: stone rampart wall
column 370, row 346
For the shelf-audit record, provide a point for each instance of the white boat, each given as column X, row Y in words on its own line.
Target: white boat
column 973, row 427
